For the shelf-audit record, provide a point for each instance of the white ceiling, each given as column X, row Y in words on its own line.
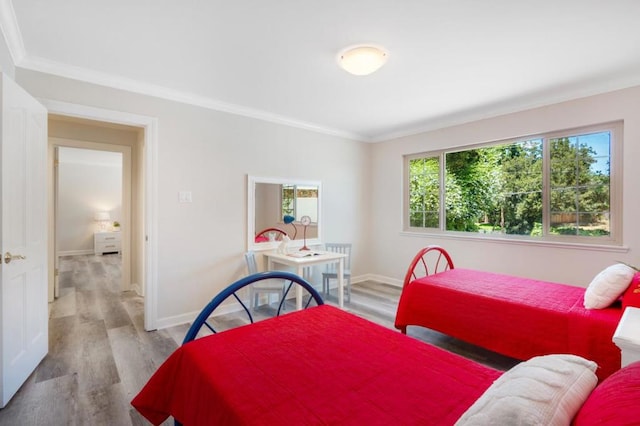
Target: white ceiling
column 450, row 61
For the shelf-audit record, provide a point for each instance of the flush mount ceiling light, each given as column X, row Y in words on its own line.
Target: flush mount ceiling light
column 362, row 59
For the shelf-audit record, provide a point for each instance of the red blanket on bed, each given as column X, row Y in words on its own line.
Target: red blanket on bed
column 317, row 366
column 514, row 316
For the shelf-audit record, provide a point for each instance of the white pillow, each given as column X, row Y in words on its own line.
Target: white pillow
column 607, row 286
column 545, row 390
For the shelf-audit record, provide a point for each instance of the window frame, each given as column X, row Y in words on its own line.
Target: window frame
column 295, row 198
column 615, row 189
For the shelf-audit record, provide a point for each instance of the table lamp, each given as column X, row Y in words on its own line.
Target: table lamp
column 103, row 218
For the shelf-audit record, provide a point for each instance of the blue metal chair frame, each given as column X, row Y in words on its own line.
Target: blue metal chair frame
column 248, row 280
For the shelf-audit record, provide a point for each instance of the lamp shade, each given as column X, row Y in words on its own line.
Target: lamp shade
column 362, row 60
column 102, row 216
column 288, row 219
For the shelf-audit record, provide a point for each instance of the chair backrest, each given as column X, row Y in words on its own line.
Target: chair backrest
column 250, row 257
column 344, row 248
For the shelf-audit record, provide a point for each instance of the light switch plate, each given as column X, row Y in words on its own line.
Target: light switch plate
column 184, row 196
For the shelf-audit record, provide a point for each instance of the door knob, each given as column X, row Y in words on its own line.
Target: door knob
column 8, row 257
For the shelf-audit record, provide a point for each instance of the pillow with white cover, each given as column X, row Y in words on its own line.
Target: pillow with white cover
column 607, row 286
column 545, row 390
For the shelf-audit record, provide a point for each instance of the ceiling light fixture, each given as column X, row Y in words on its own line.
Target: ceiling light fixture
column 362, row 59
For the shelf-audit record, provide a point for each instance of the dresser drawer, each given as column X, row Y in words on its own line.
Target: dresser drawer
column 107, row 242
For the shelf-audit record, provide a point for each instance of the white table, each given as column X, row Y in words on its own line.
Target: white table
column 627, row 335
column 320, row 258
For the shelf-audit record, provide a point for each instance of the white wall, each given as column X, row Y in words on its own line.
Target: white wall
column 86, row 185
column 6, row 63
column 392, row 250
column 210, row 153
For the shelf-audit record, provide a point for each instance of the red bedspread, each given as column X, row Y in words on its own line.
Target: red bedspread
column 514, row 316
column 317, row 366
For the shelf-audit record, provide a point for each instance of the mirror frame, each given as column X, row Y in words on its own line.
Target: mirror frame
column 251, row 212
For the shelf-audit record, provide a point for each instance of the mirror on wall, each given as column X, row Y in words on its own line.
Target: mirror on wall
column 270, row 200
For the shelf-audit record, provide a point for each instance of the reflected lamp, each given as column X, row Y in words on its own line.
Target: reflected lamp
column 288, row 219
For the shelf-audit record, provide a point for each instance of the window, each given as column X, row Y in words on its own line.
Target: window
column 300, row 200
column 424, row 192
column 557, row 186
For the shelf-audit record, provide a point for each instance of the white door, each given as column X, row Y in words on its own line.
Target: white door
column 23, row 236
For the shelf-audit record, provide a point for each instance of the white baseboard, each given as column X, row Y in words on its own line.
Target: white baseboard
column 377, row 278
column 191, row 316
column 369, row 277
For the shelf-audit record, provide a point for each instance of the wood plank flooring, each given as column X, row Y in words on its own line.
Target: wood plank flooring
column 100, row 356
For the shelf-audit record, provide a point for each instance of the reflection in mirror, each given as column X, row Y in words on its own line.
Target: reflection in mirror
column 270, row 200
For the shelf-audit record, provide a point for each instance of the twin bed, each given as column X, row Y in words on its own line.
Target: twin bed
column 514, row 316
column 324, row 366
column 316, row 366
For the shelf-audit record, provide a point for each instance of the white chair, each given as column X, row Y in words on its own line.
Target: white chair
column 262, row 287
column 332, row 269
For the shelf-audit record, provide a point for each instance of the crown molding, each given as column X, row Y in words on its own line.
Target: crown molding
column 135, row 86
column 122, row 83
column 11, row 31
column 517, row 105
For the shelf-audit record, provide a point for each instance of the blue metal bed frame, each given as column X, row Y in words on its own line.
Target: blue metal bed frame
column 231, row 291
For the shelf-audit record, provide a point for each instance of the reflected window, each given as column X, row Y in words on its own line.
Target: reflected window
column 299, row 200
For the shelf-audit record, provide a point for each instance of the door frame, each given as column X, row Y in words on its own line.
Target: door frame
column 149, row 220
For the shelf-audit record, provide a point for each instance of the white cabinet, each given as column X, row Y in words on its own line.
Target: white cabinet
column 107, row 242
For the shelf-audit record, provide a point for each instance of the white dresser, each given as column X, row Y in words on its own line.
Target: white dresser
column 107, row 242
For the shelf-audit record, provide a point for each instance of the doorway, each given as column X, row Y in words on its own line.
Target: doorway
column 92, row 194
column 143, row 193
column 84, row 152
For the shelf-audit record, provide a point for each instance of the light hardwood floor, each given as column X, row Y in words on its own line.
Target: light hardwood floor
column 100, row 356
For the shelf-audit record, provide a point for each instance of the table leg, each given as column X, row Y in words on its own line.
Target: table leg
column 299, row 290
column 341, row 283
